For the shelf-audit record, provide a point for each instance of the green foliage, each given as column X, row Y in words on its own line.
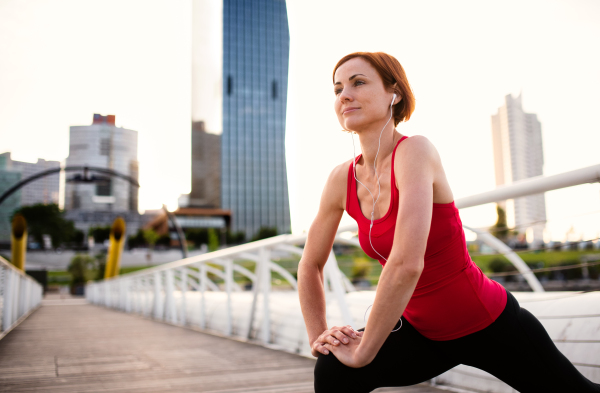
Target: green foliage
column 264, row 233
column 150, row 237
column 361, row 268
column 238, row 237
column 99, row 233
column 500, row 229
column 198, row 236
column 78, row 268
column 78, row 237
column 100, row 262
column 164, row 240
column 47, row 219
column 213, row 240
column 136, row 240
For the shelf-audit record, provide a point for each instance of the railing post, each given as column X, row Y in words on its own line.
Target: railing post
column 8, row 300
column 106, row 288
column 170, row 314
column 183, row 281
column 332, row 271
column 228, row 286
column 202, row 283
column 127, row 283
column 15, row 302
column 265, row 283
column 157, row 289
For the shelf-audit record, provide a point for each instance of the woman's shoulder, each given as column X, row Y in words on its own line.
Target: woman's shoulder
column 340, row 172
column 417, row 149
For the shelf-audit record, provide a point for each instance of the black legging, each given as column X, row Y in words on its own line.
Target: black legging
column 515, row 348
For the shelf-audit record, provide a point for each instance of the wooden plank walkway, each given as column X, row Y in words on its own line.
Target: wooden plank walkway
column 70, row 346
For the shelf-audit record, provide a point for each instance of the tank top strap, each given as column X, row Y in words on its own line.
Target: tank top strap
column 352, row 205
column 393, row 184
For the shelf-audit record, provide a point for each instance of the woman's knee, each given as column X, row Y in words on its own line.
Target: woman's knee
column 331, row 376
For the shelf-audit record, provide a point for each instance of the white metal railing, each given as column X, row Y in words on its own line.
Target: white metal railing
column 19, row 296
column 187, row 293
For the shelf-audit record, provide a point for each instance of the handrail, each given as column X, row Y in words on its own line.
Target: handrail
column 20, row 295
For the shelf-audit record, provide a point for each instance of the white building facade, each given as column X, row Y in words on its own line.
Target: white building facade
column 43, row 190
column 518, row 155
column 98, row 203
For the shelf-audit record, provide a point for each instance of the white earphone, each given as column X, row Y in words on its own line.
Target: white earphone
column 376, row 176
column 379, row 191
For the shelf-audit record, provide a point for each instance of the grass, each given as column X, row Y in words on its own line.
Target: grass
column 348, row 260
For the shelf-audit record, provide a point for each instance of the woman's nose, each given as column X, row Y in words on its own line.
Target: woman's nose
column 344, row 96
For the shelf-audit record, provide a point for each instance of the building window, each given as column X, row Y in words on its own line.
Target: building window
column 103, row 188
column 104, row 147
column 229, row 85
column 274, row 90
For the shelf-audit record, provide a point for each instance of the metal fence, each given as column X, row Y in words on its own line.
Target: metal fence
column 206, row 292
column 19, row 296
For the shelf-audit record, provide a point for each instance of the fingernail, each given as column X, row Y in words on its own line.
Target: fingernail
column 353, row 335
column 345, row 341
column 336, row 342
column 326, row 352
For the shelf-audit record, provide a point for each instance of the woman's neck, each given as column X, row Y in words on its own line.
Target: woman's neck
column 369, row 144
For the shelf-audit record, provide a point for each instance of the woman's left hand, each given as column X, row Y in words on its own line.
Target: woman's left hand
column 349, row 354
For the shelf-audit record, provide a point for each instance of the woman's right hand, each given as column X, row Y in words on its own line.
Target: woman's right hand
column 335, row 336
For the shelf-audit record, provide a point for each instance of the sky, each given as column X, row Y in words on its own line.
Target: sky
column 63, row 60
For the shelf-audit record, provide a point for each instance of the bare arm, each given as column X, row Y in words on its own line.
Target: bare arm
column 310, row 270
column 416, row 170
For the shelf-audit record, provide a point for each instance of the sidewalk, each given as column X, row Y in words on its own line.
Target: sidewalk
column 70, row 346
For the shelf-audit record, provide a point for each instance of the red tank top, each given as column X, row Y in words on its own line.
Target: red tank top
column 453, row 298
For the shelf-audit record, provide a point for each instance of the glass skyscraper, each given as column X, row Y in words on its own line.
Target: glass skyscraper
column 255, row 78
column 240, row 59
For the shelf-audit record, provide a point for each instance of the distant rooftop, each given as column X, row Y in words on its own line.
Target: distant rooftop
column 108, row 119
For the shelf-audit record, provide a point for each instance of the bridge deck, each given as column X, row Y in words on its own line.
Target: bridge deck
column 70, row 346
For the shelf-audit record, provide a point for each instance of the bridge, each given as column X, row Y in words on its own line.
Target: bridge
column 190, row 325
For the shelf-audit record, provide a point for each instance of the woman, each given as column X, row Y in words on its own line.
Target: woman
column 434, row 308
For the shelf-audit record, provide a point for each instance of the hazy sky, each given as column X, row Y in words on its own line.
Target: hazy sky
column 63, row 60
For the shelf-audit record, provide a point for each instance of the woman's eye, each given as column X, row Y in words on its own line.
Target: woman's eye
column 358, row 82
column 337, row 91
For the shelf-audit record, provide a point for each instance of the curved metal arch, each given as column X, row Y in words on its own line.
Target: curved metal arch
column 31, row 178
column 274, row 267
column 516, row 260
column 220, row 274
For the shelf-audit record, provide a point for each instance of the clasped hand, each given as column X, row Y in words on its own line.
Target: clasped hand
column 343, row 342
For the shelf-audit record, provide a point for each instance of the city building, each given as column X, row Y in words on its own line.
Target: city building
column 10, row 204
column 190, row 218
column 518, row 155
column 239, row 85
column 44, row 190
column 104, row 145
column 206, row 168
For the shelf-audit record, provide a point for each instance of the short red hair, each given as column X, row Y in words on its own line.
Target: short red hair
column 393, row 76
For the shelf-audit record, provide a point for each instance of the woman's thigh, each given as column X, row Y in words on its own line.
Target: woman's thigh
column 517, row 349
column 406, row 358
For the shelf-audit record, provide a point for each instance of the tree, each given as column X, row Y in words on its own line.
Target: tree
column 100, row 233
column 78, row 268
column 213, row 240
column 48, row 220
column 500, row 229
column 264, row 233
column 136, row 240
column 238, row 237
column 151, row 237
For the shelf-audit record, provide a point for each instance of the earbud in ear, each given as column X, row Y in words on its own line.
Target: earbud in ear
column 393, row 99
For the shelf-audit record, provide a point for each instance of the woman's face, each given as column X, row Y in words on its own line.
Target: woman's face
column 361, row 98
